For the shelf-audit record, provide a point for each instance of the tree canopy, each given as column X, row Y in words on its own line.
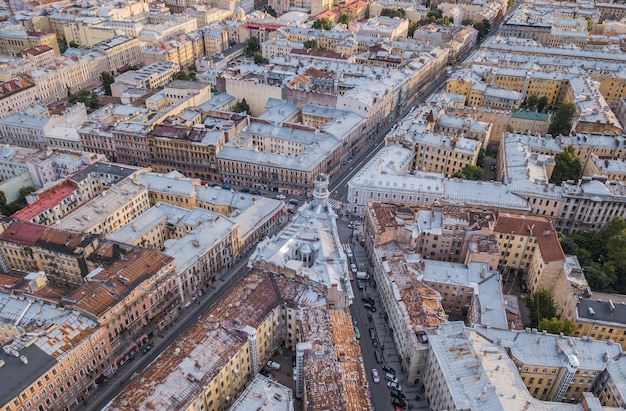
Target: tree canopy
column 483, row 27
column 183, row 75
column 436, row 17
column 259, row 59
column 541, row 306
column 567, row 166
column 562, row 120
column 252, row 44
column 470, row 172
column 344, row 19
column 241, row 106
column 393, row 12
column 107, row 80
column 90, row 99
column 270, row 10
column 542, row 103
column 11, row 208
column 323, row 24
column 555, row 326
column 601, row 255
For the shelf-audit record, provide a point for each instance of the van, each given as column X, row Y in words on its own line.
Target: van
column 273, row 365
column 362, row 275
column 391, row 378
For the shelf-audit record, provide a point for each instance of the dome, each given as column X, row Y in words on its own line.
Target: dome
column 321, row 177
column 239, row 13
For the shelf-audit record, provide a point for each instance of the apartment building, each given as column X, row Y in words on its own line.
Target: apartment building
column 387, row 178
column 149, row 77
column 130, row 292
column 179, row 51
column 59, row 367
column 229, row 345
column 263, row 391
column 14, row 42
column 600, row 317
column 121, row 52
column 471, row 369
column 612, row 169
column 533, row 122
column 552, row 367
column 610, row 387
column 282, row 158
column 110, row 210
column 62, row 254
column 16, row 94
column 201, row 242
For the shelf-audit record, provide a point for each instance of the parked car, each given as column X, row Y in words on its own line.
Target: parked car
column 266, row 373
column 391, row 378
column 359, row 284
column 294, row 201
column 255, row 192
column 394, row 385
column 273, row 365
column 369, row 307
column 226, row 186
column 369, row 317
column 375, row 343
column 245, row 190
column 397, row 394
column 388, row 369
column 368, row 300
column 280, row 197
column 379, row 357
column 398, row 402
column 147, row 349
column 293, row 360
column 357, row 332
column 353, row 268
column 375, row 376
column 372, row 333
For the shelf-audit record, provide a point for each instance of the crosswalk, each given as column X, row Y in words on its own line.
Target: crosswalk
column 335, row 203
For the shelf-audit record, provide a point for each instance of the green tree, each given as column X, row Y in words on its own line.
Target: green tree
column 542, row 103
column 259, row 59
column 270, row 10
column 467, row 22
column 73, row 44
column 470, row 172
column 62, row 46
column 107, row 80
column 555, row 326
column 181, row 75
column 562, row 120
column 242, row 106
column 252, row 44
column 412, row 27
column 532, row 101
column 344, row 19
column 90, row 99
column 386, row 12
column 323, row 24
column 483, row 27
column 480, row 161
column 540, row 305
column 567, row 166
column 3, row 202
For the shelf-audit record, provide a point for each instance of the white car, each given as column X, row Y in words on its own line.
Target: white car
column 394, row 385
column 375, row 376
column 280, row 197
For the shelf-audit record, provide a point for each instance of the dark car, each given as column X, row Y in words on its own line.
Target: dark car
column 256, row 192
column 369, row 307
column 147, row 349
column 398, row 402
column 293, row 360
column 369, row 317
column 388, row 369
column 397, row 394
column 372, row 333
column 375, row 343
column 245, row 190
column 226, row 186
column 368, row 300
column 266, row 373
column 379, row 357
column 359, row 284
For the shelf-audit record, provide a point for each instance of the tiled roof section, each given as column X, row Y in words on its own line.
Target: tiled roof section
column 47, row 200
column 122, row 276
column 35, row 51
column 350, row 362
column 322, row 375
column 14, row 85
column 23, row 233
column 66, row 241
column 541, row 228
column 207, row 346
